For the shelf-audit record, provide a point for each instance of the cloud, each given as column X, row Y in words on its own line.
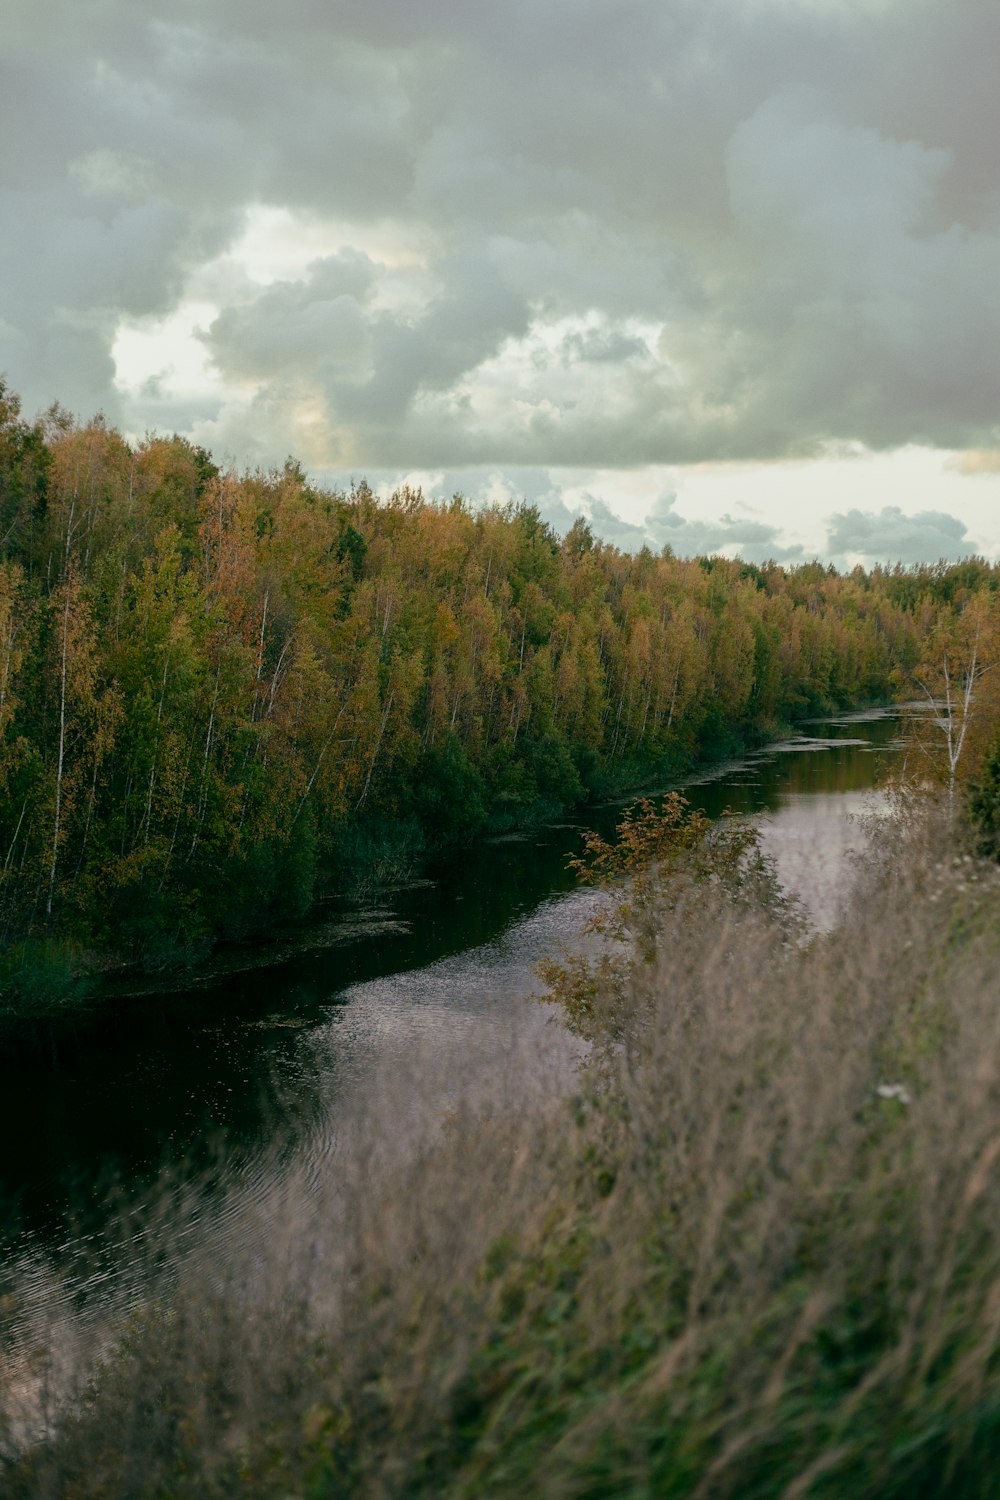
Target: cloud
column 327, row 335
column 873, row 317
column 604, row 346
column 890, row 536
column 660, row 231
column 312, row 329
column 743, row 536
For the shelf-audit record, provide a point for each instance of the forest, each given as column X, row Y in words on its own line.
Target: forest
column 218, row 689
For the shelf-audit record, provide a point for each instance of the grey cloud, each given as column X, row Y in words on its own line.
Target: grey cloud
column 77, row 261
column 890, row 536
column 611, row 527
column 871, row 321
column 370, row 366
column 802, row 201
column 66, row 361
column 281, row 334
column 463, row 326
column 752, row 540
column 736, row 536
column 302, row 327
column 604, row 346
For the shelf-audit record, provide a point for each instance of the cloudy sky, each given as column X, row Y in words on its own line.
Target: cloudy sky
column 723, row 274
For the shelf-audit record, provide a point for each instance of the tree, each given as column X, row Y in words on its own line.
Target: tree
column 24, row 477
column 963, row 650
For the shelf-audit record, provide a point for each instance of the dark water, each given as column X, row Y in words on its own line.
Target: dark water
column 264, row 1058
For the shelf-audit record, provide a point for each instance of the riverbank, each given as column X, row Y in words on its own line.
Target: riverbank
column 53, row 994
column 275, row 1054
column 756, row 1253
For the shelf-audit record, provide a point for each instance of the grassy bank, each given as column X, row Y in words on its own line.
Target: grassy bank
column 755, row 1255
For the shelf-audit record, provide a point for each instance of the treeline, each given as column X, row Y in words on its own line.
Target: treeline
column 211, row 683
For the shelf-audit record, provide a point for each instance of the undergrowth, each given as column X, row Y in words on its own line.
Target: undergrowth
column 754, row 1254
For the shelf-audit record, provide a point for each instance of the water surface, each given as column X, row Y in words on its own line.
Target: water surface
column 265, row 1058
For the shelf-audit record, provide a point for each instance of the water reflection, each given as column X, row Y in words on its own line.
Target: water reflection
column 263, row 1057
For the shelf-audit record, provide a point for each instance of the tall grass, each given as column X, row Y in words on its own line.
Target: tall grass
column 756, row 1254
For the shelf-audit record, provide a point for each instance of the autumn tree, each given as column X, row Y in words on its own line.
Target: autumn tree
column 961, row 656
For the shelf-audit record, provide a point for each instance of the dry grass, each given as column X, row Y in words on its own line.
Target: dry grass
column 732, row 1267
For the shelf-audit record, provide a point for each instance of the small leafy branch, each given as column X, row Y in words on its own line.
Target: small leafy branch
column 647, row 834
column 659, row 847
column 654, row 843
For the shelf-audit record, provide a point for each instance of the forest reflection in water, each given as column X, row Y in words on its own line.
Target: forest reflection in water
column 248, row 1073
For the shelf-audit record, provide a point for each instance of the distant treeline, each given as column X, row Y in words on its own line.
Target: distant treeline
column 212, row 683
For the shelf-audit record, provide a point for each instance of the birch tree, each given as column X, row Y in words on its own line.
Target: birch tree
column 963, row 651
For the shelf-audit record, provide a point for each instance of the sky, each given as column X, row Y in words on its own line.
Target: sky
column 722, row 275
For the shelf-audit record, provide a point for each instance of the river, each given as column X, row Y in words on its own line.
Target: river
column 250, row 1069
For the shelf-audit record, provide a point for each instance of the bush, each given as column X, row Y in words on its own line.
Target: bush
column 556, row 775
column 375, row 853
column 448, row 799
column 39, row 977
column 271, row 881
